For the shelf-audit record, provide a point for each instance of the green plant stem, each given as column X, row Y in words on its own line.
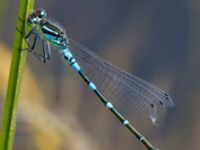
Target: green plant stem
column 15, row 78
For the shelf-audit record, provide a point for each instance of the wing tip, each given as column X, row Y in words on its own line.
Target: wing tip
column 169, row 100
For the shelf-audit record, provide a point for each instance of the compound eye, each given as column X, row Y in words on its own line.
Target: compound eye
column 32, row 19
column 41, row 13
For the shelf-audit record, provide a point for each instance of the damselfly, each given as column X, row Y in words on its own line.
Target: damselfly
column 122, row 93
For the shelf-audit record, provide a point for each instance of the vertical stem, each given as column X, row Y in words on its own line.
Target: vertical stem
column 15, row 78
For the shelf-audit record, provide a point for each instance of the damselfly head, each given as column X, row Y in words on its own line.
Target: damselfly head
column 36, row 16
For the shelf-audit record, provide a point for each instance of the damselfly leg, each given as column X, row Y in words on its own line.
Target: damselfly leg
column 46, row 51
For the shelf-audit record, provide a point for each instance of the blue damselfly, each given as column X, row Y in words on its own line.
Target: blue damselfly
column 122, row 93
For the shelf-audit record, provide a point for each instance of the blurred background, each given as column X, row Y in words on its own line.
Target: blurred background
column 156, row 40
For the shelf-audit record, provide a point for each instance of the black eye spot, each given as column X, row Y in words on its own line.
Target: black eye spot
column 152, row 105
column 161, row 103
